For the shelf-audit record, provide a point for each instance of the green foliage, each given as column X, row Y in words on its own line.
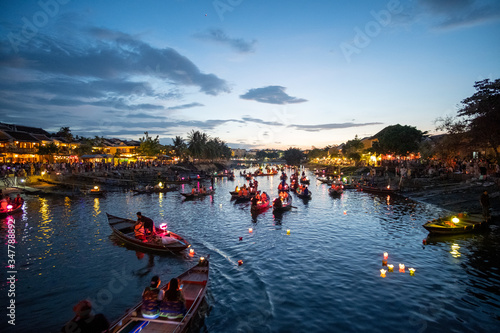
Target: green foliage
column 317, row 153
column 49, row 149
column 200, row 145
column 481, row 114
column 85, row 147
column 353, row 148
column 262, row 154
column 179, row 147
column 293, row 156
column 149, row 146
column 65, row 133
column 398, row 140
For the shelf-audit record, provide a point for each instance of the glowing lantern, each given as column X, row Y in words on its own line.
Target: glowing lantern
column 160, row 184
column 455, row 247
column 345, row 212
column 382, row 272
column 455, row 220
column 401, row 268
column 191, row 252
column 96, row 188
column 386, row 255
column 391, row 268
column 201, row 260
column 388, row 187
column 250, row 230
column 241, row 238
column 384, row 262
column 288, row 231
column 240, row 262
column 424, row 241
column 9, row 207
column 163, row 226
column 412, row 271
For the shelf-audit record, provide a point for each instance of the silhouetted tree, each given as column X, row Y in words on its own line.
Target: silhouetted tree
column 293, row 156
column 149, row 146
column 398, row 140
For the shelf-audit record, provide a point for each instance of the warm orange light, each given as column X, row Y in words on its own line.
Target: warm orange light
column 191, row 252
column 402, row 268
column 288, row 231
column 412, row 271
column 382, row 272
column 240, row 262
column 250, row 230
column 391, row 268
column 386, row 255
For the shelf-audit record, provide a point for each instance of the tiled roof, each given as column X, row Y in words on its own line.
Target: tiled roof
column 21, row 136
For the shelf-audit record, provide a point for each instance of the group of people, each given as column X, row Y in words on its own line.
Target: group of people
column 259, row 198
column 157, row 302
column 6, row 201
column 201, row 190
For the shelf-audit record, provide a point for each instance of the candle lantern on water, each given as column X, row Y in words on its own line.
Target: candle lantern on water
column 240, row 262
column 191, row 252
column 288, row 231
column 250, row 230
column 401, row 268
column 412, row 271
column 382, row 272
column 390, row 267
column 386, row 255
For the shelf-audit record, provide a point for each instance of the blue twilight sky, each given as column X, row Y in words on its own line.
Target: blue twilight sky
column 254, row 73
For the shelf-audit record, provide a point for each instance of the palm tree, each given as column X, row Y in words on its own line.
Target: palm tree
column 179, row 147
column 197, row 143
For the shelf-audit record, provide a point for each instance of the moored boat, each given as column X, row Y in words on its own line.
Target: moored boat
column 456, row 224
column 197, row 194
column 378, row 190
column 194, row 286
column 163, row 242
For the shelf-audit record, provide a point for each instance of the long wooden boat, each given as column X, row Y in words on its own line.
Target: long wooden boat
column 260, row 206
column 377, row 190
column 164, row 242
column 335, row 191
column 194, row 286
column 285, row 206
column 155, row 190
column 456, row 224
column 197, row 194
column 304, row 180
column 11, row 211
column 303, row 196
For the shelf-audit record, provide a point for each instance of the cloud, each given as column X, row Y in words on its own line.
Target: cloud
column 184, row 106
column 219, row 36
column 260, row 121
column 450, row 14
column 271, row 95
column 321, row 127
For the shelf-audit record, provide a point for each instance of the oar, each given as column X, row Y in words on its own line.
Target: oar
column 294, row 207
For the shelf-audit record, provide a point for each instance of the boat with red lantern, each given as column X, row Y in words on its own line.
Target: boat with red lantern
column 260, row 206
column 282, row 204
column 456, row 224
column 194, row 283
column 164, row 241
column 11, row 210
column 194, row 195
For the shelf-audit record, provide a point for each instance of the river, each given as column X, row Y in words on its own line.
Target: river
column 324, row 276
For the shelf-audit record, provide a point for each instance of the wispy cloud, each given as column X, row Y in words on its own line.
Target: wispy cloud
column 271, row 95
column 450, row 14
column 321, row 127
column 219, row 36
column 262, row 122
column 185, row 106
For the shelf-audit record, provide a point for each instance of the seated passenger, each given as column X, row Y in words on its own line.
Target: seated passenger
column 18, row 200
column 85, row 321
column 173, row 305
column 139, row 231
column 148, row 224
column 151, row 298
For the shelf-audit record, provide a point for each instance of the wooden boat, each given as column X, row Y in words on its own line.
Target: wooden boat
column 456, row 224
column 155, row 190
column 11, row 211
column 303, row 196
column 285, row 206
column 194, row 286
column 260, row 206
column 165, row 242
column 335, row 191
column 197, row 194
column 327, row 181
column 304, row 180
column 377, row 190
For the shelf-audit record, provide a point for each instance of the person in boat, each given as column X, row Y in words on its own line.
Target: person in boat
column 18, row 201
column 173, row 305
column 148, row 224
column 237, row 189
column 264, row 196
column 151, row 298
column 139, row 231
column 85, row 321
column 277, row 203
column 306, row 191
column 4, row 203
column 485, row 204
column 254, row 201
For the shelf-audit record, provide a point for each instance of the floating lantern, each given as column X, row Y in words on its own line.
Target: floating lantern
column 250, row 230
column 388, row 187
column 202, row 259
column 424, row 241
column 386, row 255
column 345, row 212
column 163, row 226
column 455, row 220
column 160, row 184
column 96, row 188
column 390, row 267
column 9, row 207
column 382, row 272
column 384, row 262
column 240, row 262
column 241, row 238
column 412, row 271
column 288, row 231
column 401, row 268
column 191, row 252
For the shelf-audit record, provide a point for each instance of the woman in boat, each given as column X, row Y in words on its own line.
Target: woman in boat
column 18, row 201
column 139, row 230
column 85, row 321
column 173, row 305
column 151, row 298
column 264, row 196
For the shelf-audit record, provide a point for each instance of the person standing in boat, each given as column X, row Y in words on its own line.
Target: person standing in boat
column 151, row 298
column 485, row 204
column 149, row 225
column 85, row 321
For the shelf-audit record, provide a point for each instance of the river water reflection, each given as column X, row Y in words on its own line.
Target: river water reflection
column 322, row 277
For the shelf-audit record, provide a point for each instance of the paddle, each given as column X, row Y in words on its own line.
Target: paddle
column 294, row 207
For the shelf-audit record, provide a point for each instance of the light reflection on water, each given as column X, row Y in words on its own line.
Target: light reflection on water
column 324, row 274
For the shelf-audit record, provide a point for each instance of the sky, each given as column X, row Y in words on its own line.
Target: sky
column 255, row 73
